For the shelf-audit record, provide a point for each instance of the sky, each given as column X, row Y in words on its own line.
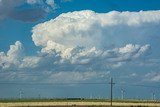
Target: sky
column 71, row 48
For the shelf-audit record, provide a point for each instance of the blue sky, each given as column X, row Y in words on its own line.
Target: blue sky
column 46, row 46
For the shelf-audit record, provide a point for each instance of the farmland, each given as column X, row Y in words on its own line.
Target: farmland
column 76, row 103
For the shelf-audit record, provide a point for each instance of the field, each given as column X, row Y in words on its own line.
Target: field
column 76, row 103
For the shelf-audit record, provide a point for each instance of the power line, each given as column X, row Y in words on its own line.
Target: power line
column 36, row 83
column 66, row 83
column 138, row 85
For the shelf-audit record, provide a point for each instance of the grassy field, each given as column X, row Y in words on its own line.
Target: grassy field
column 52, row 100
column 78, row 100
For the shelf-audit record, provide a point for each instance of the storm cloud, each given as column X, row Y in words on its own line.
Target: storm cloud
column 32, row 10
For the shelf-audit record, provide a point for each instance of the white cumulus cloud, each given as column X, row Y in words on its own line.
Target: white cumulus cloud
column 12, row 57
column 90, row 29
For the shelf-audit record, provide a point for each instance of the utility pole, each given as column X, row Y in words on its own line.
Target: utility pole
column 122, row 93
column 111, row 83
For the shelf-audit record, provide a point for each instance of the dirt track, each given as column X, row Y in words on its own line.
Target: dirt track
column 79, row 104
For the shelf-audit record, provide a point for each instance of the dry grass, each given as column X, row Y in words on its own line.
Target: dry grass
column 79, row 104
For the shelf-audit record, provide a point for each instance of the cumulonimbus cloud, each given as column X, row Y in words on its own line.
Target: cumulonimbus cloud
column 85, row 37
column 86, row 40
